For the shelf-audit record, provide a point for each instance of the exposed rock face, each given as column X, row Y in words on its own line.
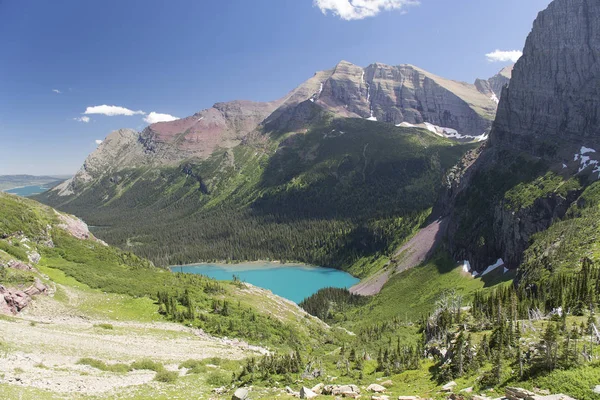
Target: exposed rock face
column 14, row 300
column 224, row 126
column 555, row 90
column 493, row 87
column 548, row 112
column 392, row 94
column 396, row 94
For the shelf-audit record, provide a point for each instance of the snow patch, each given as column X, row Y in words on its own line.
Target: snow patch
column 586, row 161
column 493, row 267
column 564, row 165
column 585, row 150
column 495, row 98
column 466, row 266
column 406, row 125
column 482, row 138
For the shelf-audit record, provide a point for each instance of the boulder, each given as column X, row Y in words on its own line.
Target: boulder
column 306, row 393
column 318, row 389
column 408, row 397
column 515, row 393
column 240, row 394
column 448, row 387
column 477, row 397
column 292, row 392
column 380, row 397
column 351, row 391
column 376, row 388
column 37, row 288
column 597, row 389
column 19, row 265
column 387, row 383
column 34, row 257
column 467, row 390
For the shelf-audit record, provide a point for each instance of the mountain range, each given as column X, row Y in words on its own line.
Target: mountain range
column 476, row 236
column 401, row 95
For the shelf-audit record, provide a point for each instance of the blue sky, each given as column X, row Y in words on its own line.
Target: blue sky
column 178, row 57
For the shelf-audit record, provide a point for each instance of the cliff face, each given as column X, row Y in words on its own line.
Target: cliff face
column 395, row 94
column 547, row 123
column 555, row 90
column 223, row 126
column 493, row 87
column 401, row 94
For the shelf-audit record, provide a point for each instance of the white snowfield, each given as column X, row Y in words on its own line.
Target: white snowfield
column 586, row 161
column 448, row 133
column 466, row 267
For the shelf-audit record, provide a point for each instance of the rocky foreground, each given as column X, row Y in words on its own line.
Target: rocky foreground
column 377, row 391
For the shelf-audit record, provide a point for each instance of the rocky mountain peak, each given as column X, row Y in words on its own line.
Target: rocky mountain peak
column 392, row 94
column 493, row 86
column 554, row 95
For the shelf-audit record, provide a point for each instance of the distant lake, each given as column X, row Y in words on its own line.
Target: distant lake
column 26, row 191
column 292, row 281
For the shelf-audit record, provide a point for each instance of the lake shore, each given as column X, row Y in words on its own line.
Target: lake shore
column 275, row 276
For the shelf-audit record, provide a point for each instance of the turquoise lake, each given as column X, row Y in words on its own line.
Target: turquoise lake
column 27, row 190
column 292, row 281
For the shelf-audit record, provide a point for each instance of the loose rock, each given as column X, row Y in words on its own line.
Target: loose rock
column 240, row 394
column 376, row 388
column 306, row 393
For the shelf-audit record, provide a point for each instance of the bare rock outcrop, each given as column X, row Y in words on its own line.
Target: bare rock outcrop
column 493, row 87
column 549, row 114
column 554, row 93
column 13, row 301
column 393, row 94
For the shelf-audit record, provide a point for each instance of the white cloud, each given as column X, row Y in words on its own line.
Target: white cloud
column 98, row 141
column 504, row 56
column 359, row 9
column 56, row 91
column 82, row 119
column 111, row 111
column 155, row 117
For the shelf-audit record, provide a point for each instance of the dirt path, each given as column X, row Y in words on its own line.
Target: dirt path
column 414, row 252
column 41, row 347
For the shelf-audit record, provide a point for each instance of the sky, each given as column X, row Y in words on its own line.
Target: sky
column 72, row 71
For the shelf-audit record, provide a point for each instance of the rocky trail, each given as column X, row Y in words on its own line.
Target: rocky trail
column 40, row 348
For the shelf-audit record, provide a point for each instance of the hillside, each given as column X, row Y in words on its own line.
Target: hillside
column 343, row 190
column 95, row 329
column 541, row 154
column 67, row 297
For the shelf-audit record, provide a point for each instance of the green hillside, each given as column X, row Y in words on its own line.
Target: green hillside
column 345, row 190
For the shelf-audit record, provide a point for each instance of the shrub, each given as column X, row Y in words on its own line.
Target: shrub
column 166, row 376
column 218, row 378
column 193, row 366
column 101, row 365
column 148, row 364
column 105, row 326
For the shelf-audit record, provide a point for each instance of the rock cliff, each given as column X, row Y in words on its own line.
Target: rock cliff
column 554, row 94
column 493, row 87
column 547, row 122
column 395, row 94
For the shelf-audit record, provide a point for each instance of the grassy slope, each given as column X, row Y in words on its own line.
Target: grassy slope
column 345, row 191
column 134, row 282
column 561, row 247
column 413, row 293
